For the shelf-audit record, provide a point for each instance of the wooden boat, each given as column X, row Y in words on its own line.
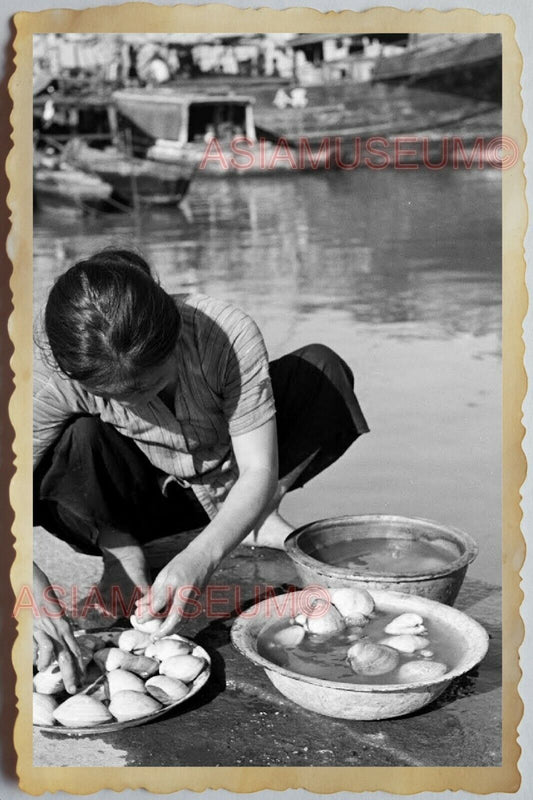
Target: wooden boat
column 133, row 180
column 345, row 110
column 215, row 130
column 467, row 64
column 64, row 185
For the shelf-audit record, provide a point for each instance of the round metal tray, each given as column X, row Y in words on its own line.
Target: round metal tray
column 110, row 638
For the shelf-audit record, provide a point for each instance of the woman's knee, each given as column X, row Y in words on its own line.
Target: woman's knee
column 94, row 448
column 85, row 432
column 88, row 436
column 326, row 360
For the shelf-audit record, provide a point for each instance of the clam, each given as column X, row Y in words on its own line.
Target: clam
column 134, row 641
column 406, row 623
column 49, row 680
column 405, row 642
column 291, row 636
column 82, row 711
column 415, row 671
column 114, row 658
column 90, row 643
column 166, row 648
column 166, row 690
column 151, row 626
column 127, row 705
column 184, row 668
column 44, row 706
column 355, row 605
column 99, row 692
column 86, row 655
column 120, row 680
column 111, row 658
column 324, row 619
column 367, row 658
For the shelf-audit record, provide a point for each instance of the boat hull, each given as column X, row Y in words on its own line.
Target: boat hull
column 135, row 180
column 68, row 187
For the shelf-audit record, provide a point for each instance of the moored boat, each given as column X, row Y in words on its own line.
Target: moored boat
column 133, row 180
column 216, row 130
column 466, row 64
column 64, row 185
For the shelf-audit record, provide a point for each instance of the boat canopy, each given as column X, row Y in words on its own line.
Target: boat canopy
column 173, row 116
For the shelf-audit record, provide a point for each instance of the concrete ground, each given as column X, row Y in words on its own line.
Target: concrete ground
column 239, row 718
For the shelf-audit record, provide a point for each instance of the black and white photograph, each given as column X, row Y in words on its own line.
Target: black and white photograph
column 267, row 436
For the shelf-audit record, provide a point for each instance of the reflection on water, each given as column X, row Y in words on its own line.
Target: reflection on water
column 400, row 271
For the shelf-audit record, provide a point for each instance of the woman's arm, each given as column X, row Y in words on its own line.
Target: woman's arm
column 257, row 459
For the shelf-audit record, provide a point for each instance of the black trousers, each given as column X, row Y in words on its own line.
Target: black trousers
column 94, row 479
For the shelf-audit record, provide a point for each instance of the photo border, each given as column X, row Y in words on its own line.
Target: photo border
column 218, row 18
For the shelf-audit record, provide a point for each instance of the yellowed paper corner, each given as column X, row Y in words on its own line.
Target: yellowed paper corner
column 141, row 17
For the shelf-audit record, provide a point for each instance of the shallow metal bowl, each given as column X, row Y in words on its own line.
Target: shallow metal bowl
column 304, row 546
column 110, row 638
column 361, row 701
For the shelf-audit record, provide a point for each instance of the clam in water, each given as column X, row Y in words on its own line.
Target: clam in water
column 372, row 647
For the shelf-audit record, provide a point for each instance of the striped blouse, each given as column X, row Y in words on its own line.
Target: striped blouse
column 223, row 390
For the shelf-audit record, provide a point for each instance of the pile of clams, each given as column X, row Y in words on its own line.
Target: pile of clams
column 403, row 646
column 128, row 677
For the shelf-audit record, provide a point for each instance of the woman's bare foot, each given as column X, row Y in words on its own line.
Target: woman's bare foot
column 272, row 533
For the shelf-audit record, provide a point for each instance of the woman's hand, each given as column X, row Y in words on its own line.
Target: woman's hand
column 185, row 576
column 179, row 582
column 53, row 638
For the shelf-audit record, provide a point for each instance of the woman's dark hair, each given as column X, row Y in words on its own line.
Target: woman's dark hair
column 107, row 320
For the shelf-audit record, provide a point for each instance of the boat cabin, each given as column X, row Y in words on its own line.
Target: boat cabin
column 143, row 117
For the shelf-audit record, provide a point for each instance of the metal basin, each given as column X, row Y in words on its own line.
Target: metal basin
column 306, row 545
column 362, row 701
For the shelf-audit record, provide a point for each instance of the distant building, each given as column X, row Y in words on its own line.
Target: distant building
column 331, row 57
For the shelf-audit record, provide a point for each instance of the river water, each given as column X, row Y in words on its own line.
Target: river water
column 397, row 270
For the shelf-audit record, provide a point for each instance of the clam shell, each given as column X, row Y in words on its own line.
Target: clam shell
column 120, row 680
column 325, row 619
column 151, row 626
column 166, row 690
column 404, row 623
column 142, row 666
column 367, row 658
column 127, row 705
column 417, row 630
column 82, row 711
column 291, row 636
column 111, row 658
column 90, row 643
column 134, row 641
column 166, row 648
column 184, row 668
column 44, row 706
column 421, row 671
column 114, row 658
column 49, row 680
column 405, row 643
column 354, row 604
